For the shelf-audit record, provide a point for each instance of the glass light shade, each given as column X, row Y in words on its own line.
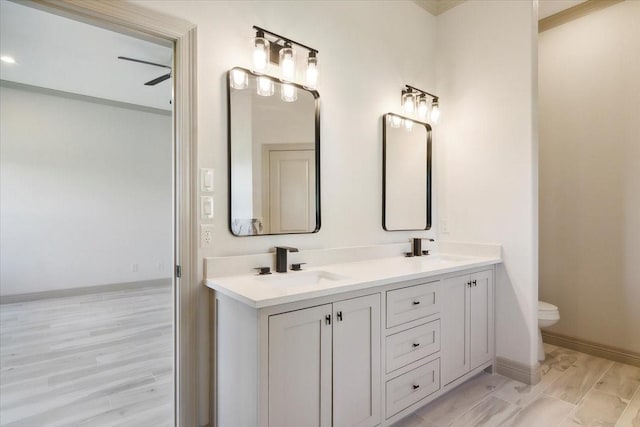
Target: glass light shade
column 312, row 70
column 288, row 93
column 408, row 102
column 239, row 79
column 394, row 121
column 288, row 62
column 423, row 107
column 260, row 54
column 408, row 125
column 265, row 86
column 435, row 112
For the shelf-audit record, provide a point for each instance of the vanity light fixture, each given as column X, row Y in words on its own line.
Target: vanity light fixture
column 281, row 52
column 261, row 52
column 420, row 103
column 288, row 62
column 312, row 70
column 408, row 101
column 435, row 111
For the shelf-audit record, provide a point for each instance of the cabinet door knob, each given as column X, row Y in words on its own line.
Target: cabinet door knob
column 416, row 303
column 416, row 386
column 416, row 344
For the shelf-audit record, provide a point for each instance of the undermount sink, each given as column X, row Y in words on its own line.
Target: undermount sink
column 300, row 278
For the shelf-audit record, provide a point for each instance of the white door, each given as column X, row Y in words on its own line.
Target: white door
column 292, row 202
column 356, row 362
column 300, row 368
column 481, row 318
column 455, row 328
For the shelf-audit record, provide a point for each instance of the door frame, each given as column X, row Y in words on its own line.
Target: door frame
column 139, row 21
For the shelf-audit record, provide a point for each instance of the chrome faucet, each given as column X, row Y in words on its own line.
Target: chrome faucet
column 281, row 257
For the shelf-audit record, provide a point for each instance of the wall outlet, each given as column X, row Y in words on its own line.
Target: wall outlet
column 134, row 268
column 206, row 235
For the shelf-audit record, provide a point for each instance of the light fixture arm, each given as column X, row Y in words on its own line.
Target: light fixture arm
column 435, row 97
column 286, row 40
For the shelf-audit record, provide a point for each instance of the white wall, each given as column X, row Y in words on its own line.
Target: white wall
column 486, row 144
column 85, row 193
column 590, row 175
column 368, row 52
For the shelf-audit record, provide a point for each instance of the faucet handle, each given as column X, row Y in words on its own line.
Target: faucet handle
column 297, row 267
column 263, row 270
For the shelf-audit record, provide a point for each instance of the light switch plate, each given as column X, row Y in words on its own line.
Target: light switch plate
column 206, row 180
column 206, row 207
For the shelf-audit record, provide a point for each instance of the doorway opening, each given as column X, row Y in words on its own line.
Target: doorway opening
column 88, row 213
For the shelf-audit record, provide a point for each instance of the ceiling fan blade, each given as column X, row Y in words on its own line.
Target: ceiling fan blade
column 143, row 62
column 158, row 80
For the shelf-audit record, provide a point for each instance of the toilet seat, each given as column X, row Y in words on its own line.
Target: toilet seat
column 547, row 311
column 545, row 306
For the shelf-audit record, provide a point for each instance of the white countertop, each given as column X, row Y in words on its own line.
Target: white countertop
column 264, row 291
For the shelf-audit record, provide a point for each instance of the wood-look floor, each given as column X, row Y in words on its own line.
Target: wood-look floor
column 103, row 359
column 576, row 390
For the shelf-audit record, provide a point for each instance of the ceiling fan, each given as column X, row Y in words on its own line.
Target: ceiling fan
column 157, row 79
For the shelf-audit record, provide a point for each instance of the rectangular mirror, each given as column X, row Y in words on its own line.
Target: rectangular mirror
column 406, row 174
column 274, row 155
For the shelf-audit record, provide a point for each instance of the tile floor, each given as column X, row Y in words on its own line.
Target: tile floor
column 103, row 359
column 576, row 390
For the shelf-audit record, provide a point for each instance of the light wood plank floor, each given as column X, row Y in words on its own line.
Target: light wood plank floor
column 576, row 390
column 93, row 360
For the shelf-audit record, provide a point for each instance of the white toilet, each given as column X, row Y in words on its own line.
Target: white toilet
column 548, row 315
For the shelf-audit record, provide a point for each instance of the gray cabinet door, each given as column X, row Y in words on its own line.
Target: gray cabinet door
column 356, row 362
column 454, row 336
column 300, row 368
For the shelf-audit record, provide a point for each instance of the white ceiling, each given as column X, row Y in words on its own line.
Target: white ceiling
column 62, row 54
column 547, row 8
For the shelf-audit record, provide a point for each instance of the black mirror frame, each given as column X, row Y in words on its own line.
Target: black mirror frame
column 316, row 97
column 384, row 171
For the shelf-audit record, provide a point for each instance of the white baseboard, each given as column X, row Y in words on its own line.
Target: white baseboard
column 518, row 371
column 60, row 293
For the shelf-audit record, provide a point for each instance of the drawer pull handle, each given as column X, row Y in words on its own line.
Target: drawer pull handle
column 416, row 303
column 416, row 386
column 416, row 344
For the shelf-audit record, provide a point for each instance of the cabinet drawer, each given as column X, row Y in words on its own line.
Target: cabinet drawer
column 411, row 345
column 411, row 387
column 414, row 302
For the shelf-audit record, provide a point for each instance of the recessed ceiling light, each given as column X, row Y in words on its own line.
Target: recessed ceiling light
column 7, row 59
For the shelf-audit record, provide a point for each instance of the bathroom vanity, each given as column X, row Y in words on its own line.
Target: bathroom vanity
column 351, row 344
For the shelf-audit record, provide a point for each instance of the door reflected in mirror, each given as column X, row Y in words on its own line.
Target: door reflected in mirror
column 406, row 188
column 274, row 156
